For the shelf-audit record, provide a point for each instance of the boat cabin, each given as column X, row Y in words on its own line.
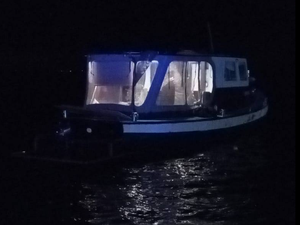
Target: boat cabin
column 154, row 83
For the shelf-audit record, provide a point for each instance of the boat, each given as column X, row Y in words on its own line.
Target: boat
column 136, row 97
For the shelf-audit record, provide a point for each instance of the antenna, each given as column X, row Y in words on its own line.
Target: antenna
column 212, row 49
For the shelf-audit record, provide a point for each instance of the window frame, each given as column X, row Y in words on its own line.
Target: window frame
column 185, row 66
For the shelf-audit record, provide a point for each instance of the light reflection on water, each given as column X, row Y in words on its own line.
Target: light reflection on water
column 212, row 187
column 163, row 195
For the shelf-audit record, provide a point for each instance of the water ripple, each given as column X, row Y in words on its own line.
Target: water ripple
column 214, row 187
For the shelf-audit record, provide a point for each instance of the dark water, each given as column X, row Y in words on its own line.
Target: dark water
column 217, row 184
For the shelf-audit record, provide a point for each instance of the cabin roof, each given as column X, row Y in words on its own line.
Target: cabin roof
column 188, row 53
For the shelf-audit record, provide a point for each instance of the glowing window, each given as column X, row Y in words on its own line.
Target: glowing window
column 172, row 91
column 110, row 82
column 145, row 72
column 206, row 77
column 192, row 83
column 199, row 82
column 188, row 83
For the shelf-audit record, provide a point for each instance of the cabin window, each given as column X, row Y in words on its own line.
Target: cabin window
column 192, row 83
column 206, row 83
column 172, row 91
column 243, row 71
column 230, row 71
column 110, row 82
column 199, row 82
column 186, row 83
column 145, row 72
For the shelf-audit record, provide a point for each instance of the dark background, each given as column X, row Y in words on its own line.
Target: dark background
column 41, row 41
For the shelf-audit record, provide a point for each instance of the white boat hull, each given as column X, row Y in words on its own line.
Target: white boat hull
column 192, row 124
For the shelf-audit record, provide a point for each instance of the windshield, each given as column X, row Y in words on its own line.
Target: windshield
column 110, row 82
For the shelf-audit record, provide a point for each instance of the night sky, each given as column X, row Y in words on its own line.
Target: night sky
column 40, row 38
column 65, row 30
